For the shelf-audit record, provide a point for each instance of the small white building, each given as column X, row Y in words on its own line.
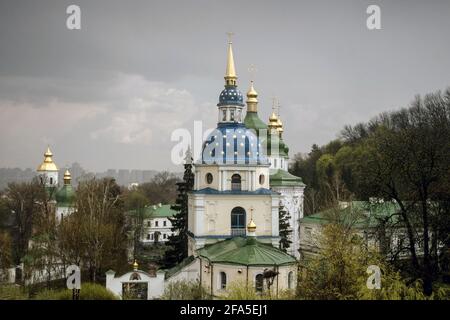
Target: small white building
column 136, row 284
column 157, row 227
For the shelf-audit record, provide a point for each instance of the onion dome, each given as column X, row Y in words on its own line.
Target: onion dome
column 273, row 121
column 135, row 265
column 48, row 164
column 231, row 96
column 65, row 196
column 252, row 121
column 233, row 144
column 251, row 226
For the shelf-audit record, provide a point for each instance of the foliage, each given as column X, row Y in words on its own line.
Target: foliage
column 161, row 189
column 401, row 156
column 89, row 291
column 95, row 235
column 13, row 292
column 284, row 228
column 178, row 241
column 239, row 290
column 338, row 272
column 184, row 290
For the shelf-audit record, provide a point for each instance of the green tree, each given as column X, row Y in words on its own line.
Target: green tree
column 178, row 241
column 284, row 228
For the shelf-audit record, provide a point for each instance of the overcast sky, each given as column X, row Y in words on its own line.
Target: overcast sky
column 110, row 95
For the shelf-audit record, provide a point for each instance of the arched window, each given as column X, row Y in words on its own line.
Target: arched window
column 291, row 280
column 223, row 280
column 209, row 178
column 135, row 276
column 51, row 180
column 261, row 179
column 238, row 222
column 236, row 182
column 259, row 283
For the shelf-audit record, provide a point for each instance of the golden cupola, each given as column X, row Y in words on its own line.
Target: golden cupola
column 67, row 177
column 280, row 126
column 251, row 226
column 48, row 164
column 252, row 99
column 273, row 121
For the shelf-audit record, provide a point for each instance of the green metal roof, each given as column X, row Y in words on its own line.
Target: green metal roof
column 371, row 213
column 65, row 196
column 282, row 178
column 172, row 271
column 245, row 251
column 156, row 211
column 252, row 121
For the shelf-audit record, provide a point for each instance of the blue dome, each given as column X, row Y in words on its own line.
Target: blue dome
column 233, row 144
column 231, row 96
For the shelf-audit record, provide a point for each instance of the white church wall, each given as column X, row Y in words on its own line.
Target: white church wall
column 211, row 214
column 155, row 283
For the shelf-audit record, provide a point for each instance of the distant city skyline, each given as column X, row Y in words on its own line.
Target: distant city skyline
column 110, row 95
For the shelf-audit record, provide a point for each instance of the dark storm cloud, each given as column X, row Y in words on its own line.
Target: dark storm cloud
column 109, row 94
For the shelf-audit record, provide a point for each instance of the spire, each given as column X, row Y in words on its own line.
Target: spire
column 230, row 73
column 67, row 178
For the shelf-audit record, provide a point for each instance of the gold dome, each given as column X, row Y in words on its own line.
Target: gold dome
column 135, row 265
column 48, row 164
column 280, row 125
column 67, row 177
column 273, row 121
column 252, row 101
column 251, row 226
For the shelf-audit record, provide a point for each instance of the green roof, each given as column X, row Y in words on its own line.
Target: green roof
column 65, row 196
column 282, row 178
column 371, row 213
column 252, row 121
column 158, row 211
column 172, row 271
column 245, row 251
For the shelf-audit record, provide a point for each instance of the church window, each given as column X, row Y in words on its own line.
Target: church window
column 261, row 179
column 259, row 283
column 231, row 115
column 223, row 280
column 290, row 280
column 51, row 180
column 224, row 115
column 209, row 178
column 156, row 223
column 164, row 223
column 151, row 236
column 236, row 182
column 238, row 222
column 164, row 236
column 149, row 224
column 148, row 236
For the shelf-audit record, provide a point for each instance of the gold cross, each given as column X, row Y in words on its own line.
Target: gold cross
column 230, row 34
column 274, row 104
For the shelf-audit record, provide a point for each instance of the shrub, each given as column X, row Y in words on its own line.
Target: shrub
column 185, row 290
column 13, row 292
column 89, row 291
